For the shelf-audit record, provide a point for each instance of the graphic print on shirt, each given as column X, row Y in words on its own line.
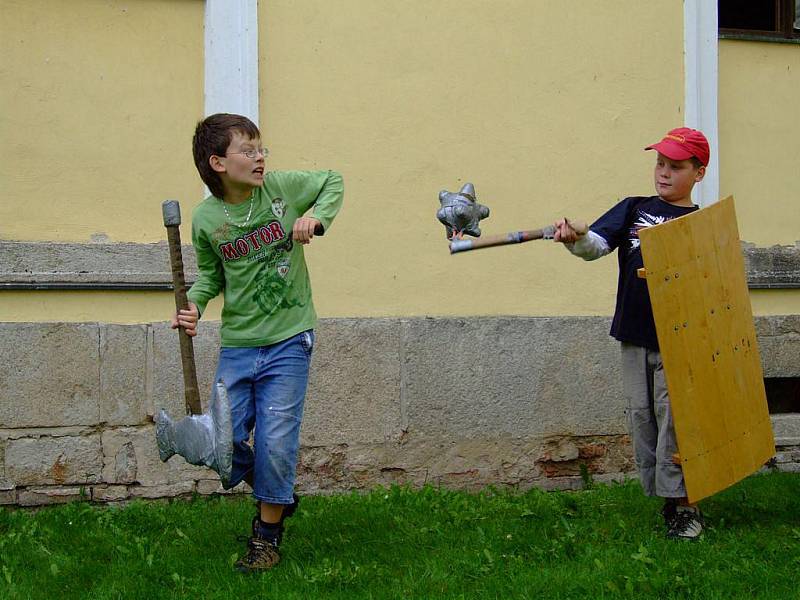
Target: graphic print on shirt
column 278, row 207
column 271, row 247
column 643, row 220
column 253, row 245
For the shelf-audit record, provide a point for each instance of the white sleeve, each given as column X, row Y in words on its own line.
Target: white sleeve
column 590, row 247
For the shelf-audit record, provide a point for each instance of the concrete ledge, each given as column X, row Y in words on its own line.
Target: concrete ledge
column 48, row 265
column 773, row 267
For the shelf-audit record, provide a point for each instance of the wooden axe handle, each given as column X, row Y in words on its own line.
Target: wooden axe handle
column 172, row 219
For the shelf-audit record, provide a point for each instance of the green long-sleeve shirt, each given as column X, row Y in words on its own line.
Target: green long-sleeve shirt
column 263, row 274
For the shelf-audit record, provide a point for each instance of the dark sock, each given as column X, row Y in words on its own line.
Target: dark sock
column 272, row 532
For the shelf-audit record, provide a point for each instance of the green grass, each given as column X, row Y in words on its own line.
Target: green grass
column 604, row 542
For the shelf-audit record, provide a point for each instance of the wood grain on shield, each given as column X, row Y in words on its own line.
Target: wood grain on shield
column 695, row 275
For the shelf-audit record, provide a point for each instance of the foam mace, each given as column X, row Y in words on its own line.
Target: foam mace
column 460, row 213
column 203, row 439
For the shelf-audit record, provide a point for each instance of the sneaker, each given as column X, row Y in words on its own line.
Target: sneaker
column 261, row 555
column 687, row 524
column 668, row 512
column 262, row 552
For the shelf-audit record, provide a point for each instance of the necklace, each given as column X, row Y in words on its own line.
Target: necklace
column 246, row 221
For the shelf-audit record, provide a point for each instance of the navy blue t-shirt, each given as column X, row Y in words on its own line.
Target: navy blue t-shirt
column 633, row 317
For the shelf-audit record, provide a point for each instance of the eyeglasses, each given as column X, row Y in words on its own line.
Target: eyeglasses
column 253, row 153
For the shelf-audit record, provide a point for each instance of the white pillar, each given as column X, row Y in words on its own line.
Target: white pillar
column 231, row 57
column 701, row 80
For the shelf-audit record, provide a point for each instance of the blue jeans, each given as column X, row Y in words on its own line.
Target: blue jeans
column 267, row 387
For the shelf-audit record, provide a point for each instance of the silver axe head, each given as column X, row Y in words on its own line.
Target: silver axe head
column 203, row 440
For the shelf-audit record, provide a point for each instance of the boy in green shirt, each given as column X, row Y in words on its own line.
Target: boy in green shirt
column 249, row 237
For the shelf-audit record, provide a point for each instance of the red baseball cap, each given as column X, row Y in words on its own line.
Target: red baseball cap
column 683, row 143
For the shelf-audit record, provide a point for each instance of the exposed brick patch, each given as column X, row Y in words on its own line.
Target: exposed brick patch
column 566, row 456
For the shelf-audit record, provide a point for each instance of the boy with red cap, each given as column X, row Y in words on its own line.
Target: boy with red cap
column 682, row 159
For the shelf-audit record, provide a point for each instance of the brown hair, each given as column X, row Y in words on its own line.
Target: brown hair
column 212, row 136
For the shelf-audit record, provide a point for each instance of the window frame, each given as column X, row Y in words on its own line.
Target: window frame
column 785, row 32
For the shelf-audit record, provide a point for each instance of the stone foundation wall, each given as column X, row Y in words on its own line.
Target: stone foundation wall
column 462, row 403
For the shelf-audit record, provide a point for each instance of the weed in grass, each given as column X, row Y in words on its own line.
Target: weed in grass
column 586, row 477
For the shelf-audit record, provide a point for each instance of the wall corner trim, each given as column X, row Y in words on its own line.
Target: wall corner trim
column 231, row 57
column 701, row 84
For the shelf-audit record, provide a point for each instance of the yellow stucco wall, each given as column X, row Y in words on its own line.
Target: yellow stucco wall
column 759, row 92
column 758, row 132
column 545, row 109
column 87, row 306
column 98, row 99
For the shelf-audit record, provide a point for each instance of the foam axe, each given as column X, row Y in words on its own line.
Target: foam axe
column 204, row 439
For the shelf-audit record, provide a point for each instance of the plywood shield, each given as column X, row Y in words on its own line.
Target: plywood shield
column 696, row 279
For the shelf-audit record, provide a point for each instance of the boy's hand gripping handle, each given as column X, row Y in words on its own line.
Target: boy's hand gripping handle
column 172, row 219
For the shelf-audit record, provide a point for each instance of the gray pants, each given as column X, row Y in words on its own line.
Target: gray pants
column 650, row 422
